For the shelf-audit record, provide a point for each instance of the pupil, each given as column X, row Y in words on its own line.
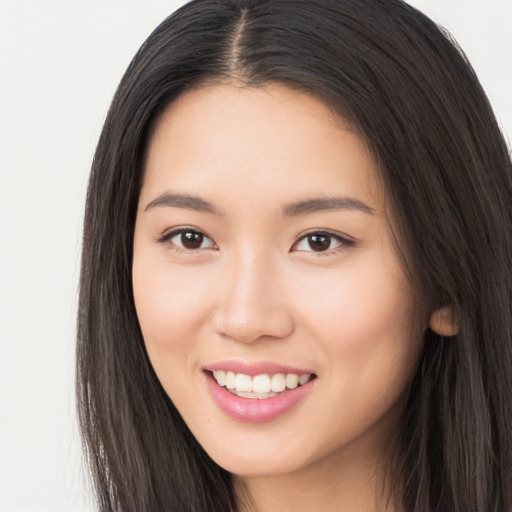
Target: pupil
column 191, row 240
column 319, row 242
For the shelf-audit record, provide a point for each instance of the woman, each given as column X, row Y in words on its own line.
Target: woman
column 296, row 284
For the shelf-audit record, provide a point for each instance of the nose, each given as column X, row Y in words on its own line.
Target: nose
column 253, row 304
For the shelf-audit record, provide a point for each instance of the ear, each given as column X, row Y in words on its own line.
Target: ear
column 444, row 321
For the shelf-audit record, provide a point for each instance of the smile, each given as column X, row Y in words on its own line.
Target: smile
column 260, row 396
column 259, row 386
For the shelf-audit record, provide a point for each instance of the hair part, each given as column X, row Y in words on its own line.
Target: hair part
column 400, row 81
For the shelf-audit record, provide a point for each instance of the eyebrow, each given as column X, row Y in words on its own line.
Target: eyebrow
column 319, row 204
column 324, row 204
column 182, row 201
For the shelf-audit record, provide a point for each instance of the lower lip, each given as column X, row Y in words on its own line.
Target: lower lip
column 254, row 410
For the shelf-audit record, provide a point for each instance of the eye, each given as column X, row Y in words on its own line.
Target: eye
column 188, row 239
column 321, row 241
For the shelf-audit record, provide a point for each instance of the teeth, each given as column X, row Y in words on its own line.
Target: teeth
column 278, row 383
column 220, row 377
column 243, row 383
column 230, row 380
column 259, row 386
column 304, row 378
column 254, row 395
column 292, row 381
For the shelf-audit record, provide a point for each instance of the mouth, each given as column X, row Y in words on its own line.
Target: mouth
column 261, row 386
column 258, row 392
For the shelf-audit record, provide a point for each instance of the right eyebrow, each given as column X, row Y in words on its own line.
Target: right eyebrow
column 324, row 204
column 182, row 201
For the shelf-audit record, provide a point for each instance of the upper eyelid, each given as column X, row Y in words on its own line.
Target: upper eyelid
column 166, row 237
column 171, row 232
column 346, row 242
column 320, row 231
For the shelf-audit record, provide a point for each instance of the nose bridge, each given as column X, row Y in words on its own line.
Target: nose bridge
column 252, row 304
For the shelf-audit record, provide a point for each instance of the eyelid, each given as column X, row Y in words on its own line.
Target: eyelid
column 170, row 233
column 345, row 240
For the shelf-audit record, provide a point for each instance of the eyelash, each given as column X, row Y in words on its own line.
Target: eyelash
column 343, row 241
column 167, row 237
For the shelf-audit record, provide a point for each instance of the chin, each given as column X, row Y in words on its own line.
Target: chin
column 258, row 459
column 257, row 467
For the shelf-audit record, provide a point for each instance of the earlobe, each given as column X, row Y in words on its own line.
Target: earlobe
column 444, row 321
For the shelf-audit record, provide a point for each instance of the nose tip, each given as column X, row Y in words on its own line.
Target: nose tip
column 247, row 325
column 253, row 306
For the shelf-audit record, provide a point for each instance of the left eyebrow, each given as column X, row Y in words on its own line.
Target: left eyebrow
column 185, row 201
column 324, row 204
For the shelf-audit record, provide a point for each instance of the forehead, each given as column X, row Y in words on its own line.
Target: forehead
column 258, row 140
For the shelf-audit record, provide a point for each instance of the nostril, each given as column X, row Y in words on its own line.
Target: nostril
column 235, row 325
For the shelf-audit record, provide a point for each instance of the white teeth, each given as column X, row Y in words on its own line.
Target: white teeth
column 260, row 396
column 243, row 383
column 220, row 377
column 278, row 383
column 292, row 381
column 259, row 386
column 304, row 378
column 230, row 380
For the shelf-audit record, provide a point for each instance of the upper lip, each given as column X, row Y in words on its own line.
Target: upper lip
column 255, row 368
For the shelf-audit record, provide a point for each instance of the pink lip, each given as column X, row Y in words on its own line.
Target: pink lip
column 253, row 369
column 253, row 410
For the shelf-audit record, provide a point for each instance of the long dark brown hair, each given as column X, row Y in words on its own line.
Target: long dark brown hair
column 411, row 93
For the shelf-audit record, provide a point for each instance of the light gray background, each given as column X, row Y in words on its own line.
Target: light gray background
column 60, row 62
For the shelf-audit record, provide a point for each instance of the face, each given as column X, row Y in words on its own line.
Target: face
column 263, row 263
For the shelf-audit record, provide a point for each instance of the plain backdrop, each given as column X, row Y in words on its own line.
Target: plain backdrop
column 60, row 62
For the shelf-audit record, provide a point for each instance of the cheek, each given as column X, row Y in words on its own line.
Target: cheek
column 361, row 322
column 361, row 327
column 357, row 306
column 172, row 308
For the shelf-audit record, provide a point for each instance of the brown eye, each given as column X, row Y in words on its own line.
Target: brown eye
column 188, row 239
column 191, row 239
column 319, row 242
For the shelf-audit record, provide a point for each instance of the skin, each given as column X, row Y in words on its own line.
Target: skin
column 256, row 291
